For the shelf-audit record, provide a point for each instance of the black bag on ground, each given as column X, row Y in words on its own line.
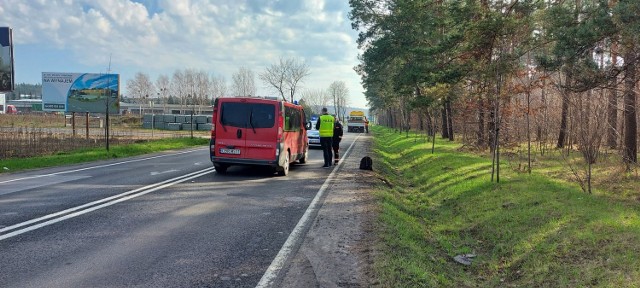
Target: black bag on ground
column 366, row 163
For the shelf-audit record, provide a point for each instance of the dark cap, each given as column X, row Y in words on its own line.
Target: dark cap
column 324, row 109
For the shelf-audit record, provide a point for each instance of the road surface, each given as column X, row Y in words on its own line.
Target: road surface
column 162, row 220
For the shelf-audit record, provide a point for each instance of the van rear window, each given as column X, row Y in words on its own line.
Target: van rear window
column 248, row 115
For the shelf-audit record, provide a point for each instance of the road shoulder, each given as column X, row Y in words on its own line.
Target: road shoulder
column 338, row 250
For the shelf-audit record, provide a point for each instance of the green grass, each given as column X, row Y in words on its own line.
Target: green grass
column 527, row 230
column 93, row 154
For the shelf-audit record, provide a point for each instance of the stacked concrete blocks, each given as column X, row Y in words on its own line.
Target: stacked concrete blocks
column 176, row 122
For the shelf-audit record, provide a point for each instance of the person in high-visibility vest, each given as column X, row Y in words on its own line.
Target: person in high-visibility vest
column 366, row 124
column 325, row 127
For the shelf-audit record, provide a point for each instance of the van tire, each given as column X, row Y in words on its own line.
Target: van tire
column 284, row 170
column 220, row 168
column 305, row 156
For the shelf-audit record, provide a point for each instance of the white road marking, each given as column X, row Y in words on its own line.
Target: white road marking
column 154, row 173
column 99, row 166
column 67, row 214
column 26, row 185
column 286, row 251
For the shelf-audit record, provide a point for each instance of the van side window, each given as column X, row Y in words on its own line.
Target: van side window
column 292, row 119
column 237, row 114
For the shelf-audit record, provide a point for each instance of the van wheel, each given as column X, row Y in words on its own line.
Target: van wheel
column 222, row 169
column 284, row 171
column 305, row 156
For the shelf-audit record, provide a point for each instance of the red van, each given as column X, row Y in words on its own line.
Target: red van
column 258, row 131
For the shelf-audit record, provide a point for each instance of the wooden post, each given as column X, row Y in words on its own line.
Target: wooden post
column 73, row 123
column 87, row 126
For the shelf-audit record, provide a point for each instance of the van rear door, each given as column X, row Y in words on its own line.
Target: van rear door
column 247, row 129
column 262, row 132
column 231, row 130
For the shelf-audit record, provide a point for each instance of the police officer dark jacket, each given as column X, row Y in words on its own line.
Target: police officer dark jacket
column 337, row 132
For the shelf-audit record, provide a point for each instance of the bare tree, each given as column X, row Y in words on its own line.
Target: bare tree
column 338, row 90
column 162, row 89
column 218, row 87
column 316, row 99
column 178, row 87
column 191, row 85
column 140, row 87
column 275, row 77
column 244, row 83
column 285, row 76
column 203, row 85
column 298, row 71
column 591, row 126
column 343, row 101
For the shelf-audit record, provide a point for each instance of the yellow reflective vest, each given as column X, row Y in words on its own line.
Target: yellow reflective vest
column 326, row 125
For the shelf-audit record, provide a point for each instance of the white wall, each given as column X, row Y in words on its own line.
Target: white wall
column 3, row 103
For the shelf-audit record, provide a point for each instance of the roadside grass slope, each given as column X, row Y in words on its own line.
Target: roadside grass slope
column 527, row 230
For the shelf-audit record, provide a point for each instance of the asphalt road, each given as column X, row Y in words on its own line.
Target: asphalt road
column 163, row 220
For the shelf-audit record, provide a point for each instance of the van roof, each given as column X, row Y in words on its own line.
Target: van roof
column 255, row 99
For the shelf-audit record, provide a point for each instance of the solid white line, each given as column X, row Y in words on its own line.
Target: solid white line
column 285, row 252
column 96, row 167
column 120, row 198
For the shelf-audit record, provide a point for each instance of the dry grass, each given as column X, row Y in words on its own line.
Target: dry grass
column 29, row 135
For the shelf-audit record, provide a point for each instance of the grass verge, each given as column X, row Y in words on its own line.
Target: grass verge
column 527, row 231
column 93, row 154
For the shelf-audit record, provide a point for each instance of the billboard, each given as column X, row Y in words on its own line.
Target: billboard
column 7, row 79
column 80, row 92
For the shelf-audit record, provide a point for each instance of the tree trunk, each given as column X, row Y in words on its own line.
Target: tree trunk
column 562, row 136
column 445, row 129
column 491, row 126
column 612, row 118
column 528, row 132
column 449, row 119
column 480, row 141
column 430, row 127
column 612, row 111
column 630, row 151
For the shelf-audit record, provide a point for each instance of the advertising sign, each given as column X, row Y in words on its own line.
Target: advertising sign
column 80, row 92
column 7, row 81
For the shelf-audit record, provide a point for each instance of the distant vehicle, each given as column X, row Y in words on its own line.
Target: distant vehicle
column 11, row 109
column 356, row 121
column 258, row 131
column 314, row 137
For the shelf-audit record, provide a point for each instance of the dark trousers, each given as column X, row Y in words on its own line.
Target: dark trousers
column 336, row 151
column 325, row 143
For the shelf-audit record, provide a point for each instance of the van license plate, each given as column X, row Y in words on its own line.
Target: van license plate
column 230, row 151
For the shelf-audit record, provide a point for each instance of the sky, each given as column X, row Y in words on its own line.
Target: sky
column 158, row 37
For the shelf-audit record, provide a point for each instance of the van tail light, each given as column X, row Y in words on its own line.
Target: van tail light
column 212, row 146
column 280, row 128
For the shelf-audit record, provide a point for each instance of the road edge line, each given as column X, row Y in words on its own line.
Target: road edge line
column 278, row 263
